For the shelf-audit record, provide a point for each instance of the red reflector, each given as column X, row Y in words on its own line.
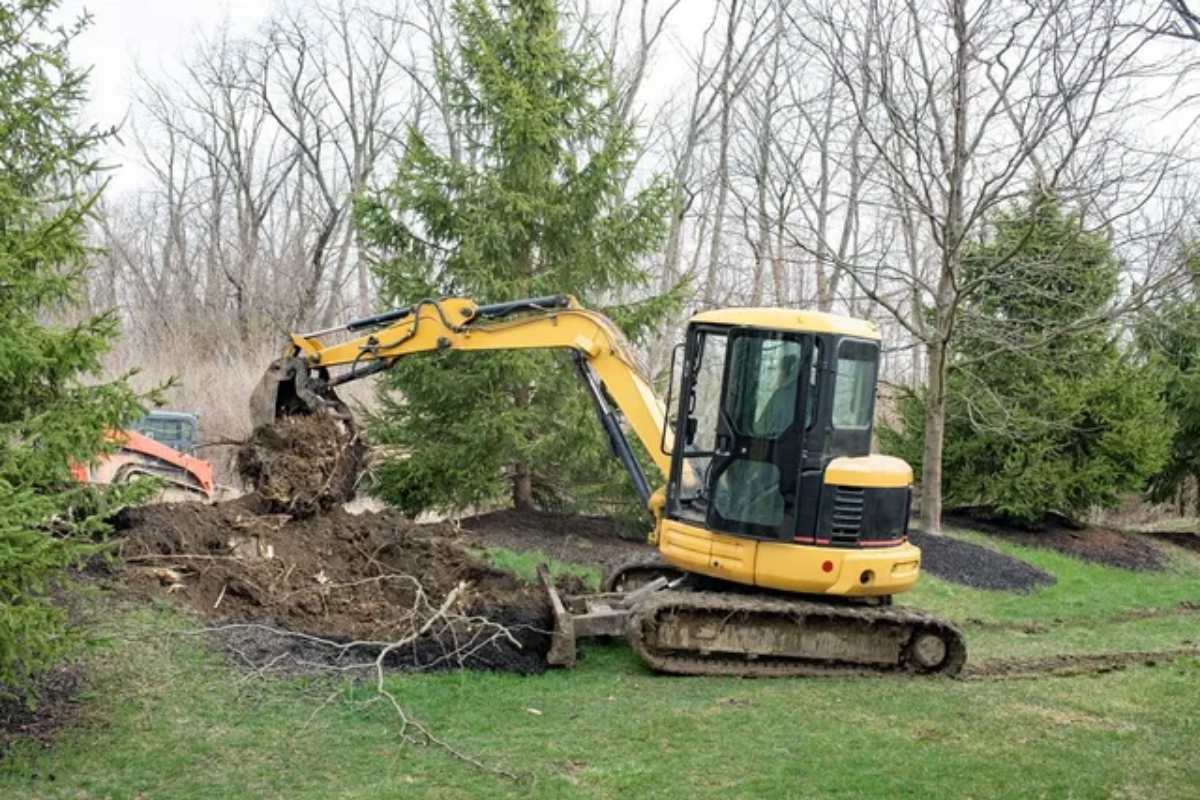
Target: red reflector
column 827, row 566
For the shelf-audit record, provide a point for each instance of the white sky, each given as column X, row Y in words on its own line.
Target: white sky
column 152, row 32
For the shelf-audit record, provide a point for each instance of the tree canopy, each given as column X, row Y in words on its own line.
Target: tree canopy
column 1047, row 411
column 54, row 410
column 528, row 196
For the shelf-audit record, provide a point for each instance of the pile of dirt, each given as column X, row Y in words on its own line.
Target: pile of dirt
column 969, row 564
column 303, row 465
column 338, row 576
column 1107, row 546
column 596, row 541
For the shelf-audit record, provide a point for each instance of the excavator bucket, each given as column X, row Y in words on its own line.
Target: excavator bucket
column 265, row 399
column 288, row 388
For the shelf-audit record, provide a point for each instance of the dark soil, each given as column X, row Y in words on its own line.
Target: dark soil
column 595, row 541
column 969, row 564
column 55, row 708
column 338, row 576
column 1107, row 546
column 303, row 465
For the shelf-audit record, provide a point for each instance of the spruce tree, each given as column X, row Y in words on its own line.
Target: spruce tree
column 1170, row 332
column 1047, row 412
column 53, row 408
column 532, row 202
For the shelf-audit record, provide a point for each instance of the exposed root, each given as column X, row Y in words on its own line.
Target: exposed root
column 303, row 465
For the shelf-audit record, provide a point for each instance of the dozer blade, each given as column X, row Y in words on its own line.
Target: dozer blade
column 288, row 388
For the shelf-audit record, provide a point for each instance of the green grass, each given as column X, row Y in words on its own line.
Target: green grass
column 164, row 718
column 525, row 565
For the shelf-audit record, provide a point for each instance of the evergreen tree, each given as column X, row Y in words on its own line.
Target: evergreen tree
column 1171, row 332
column 531, row 202
column 52, row 409
column 1046, row 413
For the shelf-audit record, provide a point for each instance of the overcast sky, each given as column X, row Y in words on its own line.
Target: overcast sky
column 147, row 31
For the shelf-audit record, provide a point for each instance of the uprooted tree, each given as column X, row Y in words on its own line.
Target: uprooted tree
column 1045, row 412
column 523, row 194
column 52, row 410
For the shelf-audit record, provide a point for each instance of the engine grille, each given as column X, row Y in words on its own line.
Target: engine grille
column 848, row 503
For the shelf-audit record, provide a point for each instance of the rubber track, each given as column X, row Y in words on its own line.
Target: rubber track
column 643, row 621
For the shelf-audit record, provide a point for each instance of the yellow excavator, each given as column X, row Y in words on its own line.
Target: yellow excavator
column 780, row 538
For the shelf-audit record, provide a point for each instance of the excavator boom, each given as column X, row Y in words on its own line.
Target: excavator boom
column 305, row 378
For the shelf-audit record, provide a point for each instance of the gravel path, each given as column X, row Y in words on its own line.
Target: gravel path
column 979, row 567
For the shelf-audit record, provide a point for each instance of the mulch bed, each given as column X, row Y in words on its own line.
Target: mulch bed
column 1184, row 539
column 1107, row 546
column 978, row 567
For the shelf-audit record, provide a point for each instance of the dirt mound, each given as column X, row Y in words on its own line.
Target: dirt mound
column 340, row 577
column 969, row 564
column 303, row 465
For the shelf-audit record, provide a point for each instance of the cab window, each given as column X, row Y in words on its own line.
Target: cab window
column 764, row 384
column 854, row 384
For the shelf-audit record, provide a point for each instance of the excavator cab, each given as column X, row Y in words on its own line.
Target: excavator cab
column 763, row 413
column 772, row 413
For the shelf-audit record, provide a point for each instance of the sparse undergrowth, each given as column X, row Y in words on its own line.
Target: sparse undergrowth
column 165, row 716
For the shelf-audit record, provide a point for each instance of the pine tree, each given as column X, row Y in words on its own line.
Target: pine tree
column 1171, row 332
column 532, row 203
column 1046, row 413
column 53, row 409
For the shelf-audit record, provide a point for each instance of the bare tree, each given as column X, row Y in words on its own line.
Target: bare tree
column 965, row 106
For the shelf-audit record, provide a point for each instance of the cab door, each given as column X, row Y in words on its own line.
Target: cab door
column 760, row 434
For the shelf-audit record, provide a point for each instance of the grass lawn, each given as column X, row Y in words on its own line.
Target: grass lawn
column 165, row 718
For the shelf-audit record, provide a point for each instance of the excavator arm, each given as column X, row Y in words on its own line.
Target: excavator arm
column 304, row 380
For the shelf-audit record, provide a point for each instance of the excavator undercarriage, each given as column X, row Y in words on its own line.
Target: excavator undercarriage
column 678, row 630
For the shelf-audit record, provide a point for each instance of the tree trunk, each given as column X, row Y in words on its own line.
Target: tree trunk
column 935, row 435
column 522, row 488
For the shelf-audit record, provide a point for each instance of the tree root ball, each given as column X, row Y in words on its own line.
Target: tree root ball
column 303, row 465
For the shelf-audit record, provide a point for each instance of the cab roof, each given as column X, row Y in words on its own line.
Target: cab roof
column 789, row 319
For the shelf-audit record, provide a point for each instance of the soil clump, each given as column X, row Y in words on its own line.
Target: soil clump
column 1099, row 545
column 303, row 465
column 337, row 577
column 978, row 567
